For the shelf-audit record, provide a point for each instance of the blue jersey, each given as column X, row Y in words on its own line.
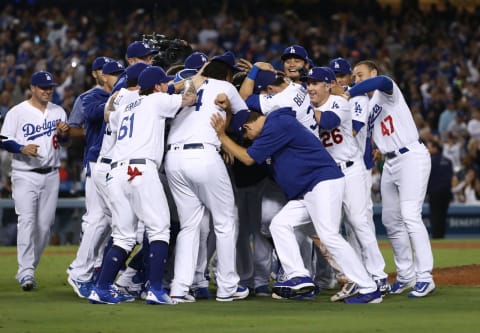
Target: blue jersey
column 298, row 159
column 93, row 105
column 77, row 116
column 121, row 82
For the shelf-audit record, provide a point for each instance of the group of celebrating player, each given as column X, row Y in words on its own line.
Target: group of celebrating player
column 301, row 143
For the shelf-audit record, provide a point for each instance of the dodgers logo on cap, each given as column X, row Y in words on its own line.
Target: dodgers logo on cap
column 295, row 51
column 113, row 67
column 196, row 60
column 341, row 66
column 42, row 79
column 321, row 74
column 98, row 63
column 151, row 76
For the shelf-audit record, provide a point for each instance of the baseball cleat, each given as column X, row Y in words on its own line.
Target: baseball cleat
column 373, row 298
column 82, row 289
column 183, row 299
column 422, row 289
column 295, row 286
column 28, row 283
column 262, row 291
column 201, row 293
column 241, row 293
column 383, row 286
column 104, row 296
column 399, row 287
column 155, row 296
column 348, row 289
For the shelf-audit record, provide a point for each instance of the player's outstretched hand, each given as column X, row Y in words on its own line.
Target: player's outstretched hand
column 218, row 124
column 244, row 64
column 62, row 128
column 30, row 150
column 265, row 66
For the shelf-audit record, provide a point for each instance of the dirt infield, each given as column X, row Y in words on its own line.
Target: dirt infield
column 467, row 275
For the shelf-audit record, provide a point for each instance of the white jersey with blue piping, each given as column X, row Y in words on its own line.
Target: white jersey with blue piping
column 339, row 141
column 390, row 121
column 192, row 124
column 25, row 124
column 296, row 97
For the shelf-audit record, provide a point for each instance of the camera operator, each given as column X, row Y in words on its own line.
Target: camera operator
column 169, row 51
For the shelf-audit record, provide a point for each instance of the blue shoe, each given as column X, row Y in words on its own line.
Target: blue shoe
column 383, row 286
column 241, row 293
column 28, row 283
column 123, row 297
column 399, row 287
column 155, row 296
column 373, row 297
column 82, row 289
column 104, row 296
column 295, row 286
column 263, row 291
column 422, row 289
column 201, row 293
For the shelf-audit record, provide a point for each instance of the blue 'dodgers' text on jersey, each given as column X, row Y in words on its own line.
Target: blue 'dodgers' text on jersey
column 300, row 97
column 31, row 131
column 376, row 110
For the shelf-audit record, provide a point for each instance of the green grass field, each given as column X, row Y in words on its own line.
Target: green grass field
column 55, row 308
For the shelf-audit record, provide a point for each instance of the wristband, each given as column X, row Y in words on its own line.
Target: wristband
column 252, row 74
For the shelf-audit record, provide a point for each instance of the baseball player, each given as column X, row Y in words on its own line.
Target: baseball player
column 189, row 162
column 134, row 186
column 137, row 51
column 34, row 131
column 314, row 186
column 334, row 116
column 359, row 107
column 404, row 178
column 80, row 273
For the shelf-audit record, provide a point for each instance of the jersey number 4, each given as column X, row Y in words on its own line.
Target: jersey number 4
column 126, row 127
column 387, row 125
column 331, row 138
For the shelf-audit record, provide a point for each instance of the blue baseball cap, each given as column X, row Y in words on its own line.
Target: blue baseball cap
column 195, row 60
column 151, row 76
column 139, row 49
column 42, row 79
column 134, row 70
column 113, row 67
column 295, row 51
column 263, row 79
column 98, row 63
column 321, row 74
column 238, row 120
column 229, row 59
column 184, row 74
column 340, row 66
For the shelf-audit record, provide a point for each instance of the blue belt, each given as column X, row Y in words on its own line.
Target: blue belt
column 106, row 160
column 401, row 151
column 347, row 164
column 44, row 170
column 186, row 146
column 132, row 161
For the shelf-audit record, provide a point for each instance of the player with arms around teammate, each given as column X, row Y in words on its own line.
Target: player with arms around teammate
column 334, row 117
column 404, row 178
column 314, row 186
column 34, row 129
column 136, row 192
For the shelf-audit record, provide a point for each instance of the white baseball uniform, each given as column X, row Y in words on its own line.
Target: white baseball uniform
column 296, row 97
column 198, row 180
column 343, row 147
column 134, row 186
column 403, row 185
column 35, row 180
